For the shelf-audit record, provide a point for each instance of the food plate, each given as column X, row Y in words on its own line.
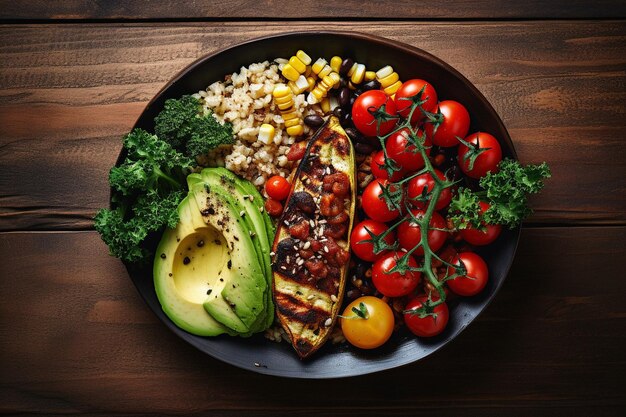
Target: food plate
column 260, row 355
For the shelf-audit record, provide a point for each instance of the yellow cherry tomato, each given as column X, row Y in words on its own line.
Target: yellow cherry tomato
column 367, row 322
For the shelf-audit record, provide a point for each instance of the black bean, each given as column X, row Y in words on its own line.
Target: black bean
column 344, row 97
column 352, row 100
column 371, row 85
column 313, row 120
column 345, row 119
column 352, row 133
column 363, row 148
column 346, row 64
column 338, row 112
column 343, row 82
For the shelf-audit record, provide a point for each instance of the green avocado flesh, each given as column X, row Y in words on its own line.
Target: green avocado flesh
column 212, row 273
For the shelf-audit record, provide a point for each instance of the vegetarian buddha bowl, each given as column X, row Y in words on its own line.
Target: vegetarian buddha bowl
column 318, row 204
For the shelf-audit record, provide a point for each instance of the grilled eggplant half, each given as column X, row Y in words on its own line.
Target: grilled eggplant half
column 311, row 249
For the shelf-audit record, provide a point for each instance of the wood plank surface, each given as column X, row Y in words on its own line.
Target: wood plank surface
column 69, row 92
column 75, row 337
column 269, row 9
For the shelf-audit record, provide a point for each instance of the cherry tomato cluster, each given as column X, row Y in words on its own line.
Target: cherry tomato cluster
column 388, row 231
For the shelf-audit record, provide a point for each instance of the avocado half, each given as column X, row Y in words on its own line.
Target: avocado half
column 210, row 273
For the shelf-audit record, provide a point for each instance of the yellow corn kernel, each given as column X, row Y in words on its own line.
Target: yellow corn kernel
column 283, row 100
column 316, row 95
column 327, row 82
column 389, row 80
column 295, row 88
column 370, row 75
column 285, row 106
column 290, row 73
column 351, row 86
column 295, row 130
column 352, row 69
column 325, row 71
column 319, row 65
column 281, row 90
column 311, row 81
column 391, row 90
column 292, row 122
column 302, row 56
column 335, row 63
column 289, row 115
column 307, row 71
column 325, row 105
column 297, row 64
column 266, row 133
column 302, row 83
column 384, row 72
column 333, row 101
column 358, row 74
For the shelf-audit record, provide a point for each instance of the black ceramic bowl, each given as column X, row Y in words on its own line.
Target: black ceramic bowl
column 260, row 355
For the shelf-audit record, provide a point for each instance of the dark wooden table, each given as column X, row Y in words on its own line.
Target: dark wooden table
column 75, row 337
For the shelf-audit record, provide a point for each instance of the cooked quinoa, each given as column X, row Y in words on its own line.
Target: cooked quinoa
column 245, row 100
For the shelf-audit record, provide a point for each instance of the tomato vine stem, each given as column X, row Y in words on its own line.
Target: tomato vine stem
column 418, row 141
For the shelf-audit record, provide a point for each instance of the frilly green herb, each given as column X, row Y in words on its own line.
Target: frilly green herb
column 182, row 126
column 148, row 186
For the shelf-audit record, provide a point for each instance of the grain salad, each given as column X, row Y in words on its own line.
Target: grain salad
column 244, row 99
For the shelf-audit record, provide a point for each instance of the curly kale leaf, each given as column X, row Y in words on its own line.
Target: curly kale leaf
column 148, row 185
column 173, row 122
column 182, row 126
column 507, row 191
column 150, row 164
column 123, row 237
column 465, row 209
column 155, row 210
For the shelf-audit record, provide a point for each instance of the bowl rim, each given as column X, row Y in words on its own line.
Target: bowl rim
column 386, row 42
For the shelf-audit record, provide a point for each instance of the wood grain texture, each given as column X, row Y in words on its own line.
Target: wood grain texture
column 76, row 338
column 69, row 92
column 272, row 9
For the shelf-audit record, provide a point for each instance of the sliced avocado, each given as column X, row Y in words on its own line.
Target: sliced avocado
column 181, row 291
column 240, row 296
column 257, row 220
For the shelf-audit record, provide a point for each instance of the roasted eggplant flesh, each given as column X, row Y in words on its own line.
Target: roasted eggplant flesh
column 312, row 248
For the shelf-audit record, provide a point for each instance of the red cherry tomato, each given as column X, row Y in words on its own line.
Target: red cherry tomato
column 365, row 250
column 427, row 326
column 277, row 188
column 404, row 153
column 378, row 170
column 367, row 103
column 375, row 205
column 478, row 237
column 394, row 284
column 410, row 234
column 273, row 207
column 486, row 161
column 409, row 89
column 416, row 186
column 455, row 123
column 476, row 278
